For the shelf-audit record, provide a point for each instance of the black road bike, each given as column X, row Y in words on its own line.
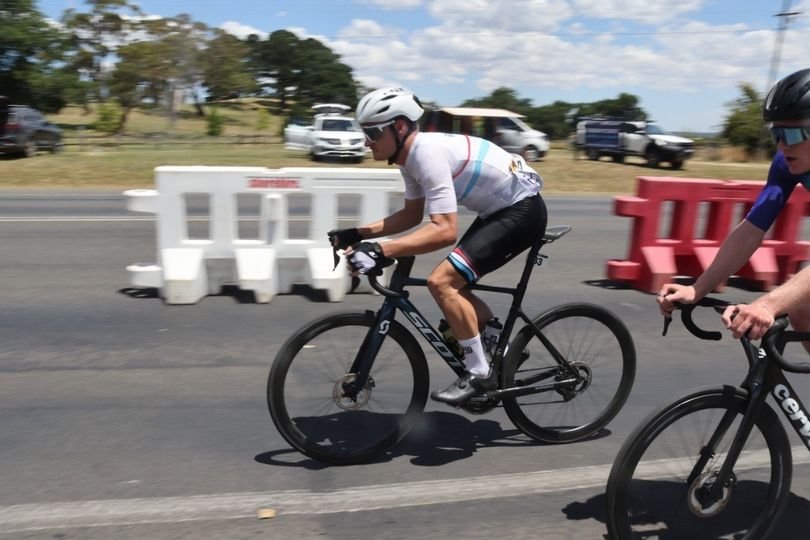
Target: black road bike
column 715, row 463
column 348, row 386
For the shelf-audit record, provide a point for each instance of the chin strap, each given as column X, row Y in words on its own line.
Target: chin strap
column 401, row 143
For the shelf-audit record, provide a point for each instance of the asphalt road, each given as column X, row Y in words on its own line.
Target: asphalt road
column 123, row 417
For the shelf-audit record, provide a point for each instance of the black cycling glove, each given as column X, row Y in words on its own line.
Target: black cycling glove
column 367, row 258
column 343, row 238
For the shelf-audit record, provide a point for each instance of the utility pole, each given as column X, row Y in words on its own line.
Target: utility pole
column 784, row 19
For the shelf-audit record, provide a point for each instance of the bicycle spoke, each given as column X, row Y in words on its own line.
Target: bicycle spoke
column 649, row 488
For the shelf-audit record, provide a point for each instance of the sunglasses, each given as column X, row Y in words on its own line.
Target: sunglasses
column 789, row 135
column 374, row 133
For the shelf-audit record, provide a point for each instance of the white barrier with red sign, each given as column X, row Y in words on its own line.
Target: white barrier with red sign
column 270, row 262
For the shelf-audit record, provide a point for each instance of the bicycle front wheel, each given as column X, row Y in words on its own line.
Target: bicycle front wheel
column 601, row 353
column 305, row 389
column 658, row 489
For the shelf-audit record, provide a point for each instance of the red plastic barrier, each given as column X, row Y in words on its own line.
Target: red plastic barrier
column 654, row 260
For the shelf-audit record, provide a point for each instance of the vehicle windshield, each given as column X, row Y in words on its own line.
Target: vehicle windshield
column 338, row 124
column 655, row 129
column 524, row 126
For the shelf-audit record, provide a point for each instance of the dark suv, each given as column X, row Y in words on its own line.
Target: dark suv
column 23, row 130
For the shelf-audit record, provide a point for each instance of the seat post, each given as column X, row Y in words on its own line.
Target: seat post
column 531, row 260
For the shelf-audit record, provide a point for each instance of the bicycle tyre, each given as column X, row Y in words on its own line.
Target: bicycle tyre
column 647, row 495
column 600, row 344
column 307, row 373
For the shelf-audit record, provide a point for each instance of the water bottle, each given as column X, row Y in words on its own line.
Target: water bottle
column 492, row 332
column 450, row 339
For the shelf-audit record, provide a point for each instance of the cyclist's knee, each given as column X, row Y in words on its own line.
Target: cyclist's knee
column 800, row 318
column 444, row 279
column 800, row 321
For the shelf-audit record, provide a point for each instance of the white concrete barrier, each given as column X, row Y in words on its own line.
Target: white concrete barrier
column 189, row 268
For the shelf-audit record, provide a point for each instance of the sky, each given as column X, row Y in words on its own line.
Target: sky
column 684, row 59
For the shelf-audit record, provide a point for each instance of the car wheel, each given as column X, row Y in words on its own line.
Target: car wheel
column 653, row 158
column 530, row 153
column 593, row 154
column 677, row 164
column 618, row 158
column 30, row 148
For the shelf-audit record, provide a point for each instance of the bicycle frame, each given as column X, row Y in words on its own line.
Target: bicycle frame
column 399, row 301
column 763, row 378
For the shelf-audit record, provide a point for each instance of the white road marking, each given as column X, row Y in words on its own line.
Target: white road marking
column 28, row 517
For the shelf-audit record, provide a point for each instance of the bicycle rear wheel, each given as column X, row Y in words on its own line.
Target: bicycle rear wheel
column 649, row 494
column 305, row 390
column 599, row 347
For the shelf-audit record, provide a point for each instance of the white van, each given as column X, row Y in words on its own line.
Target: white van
column 505, row 128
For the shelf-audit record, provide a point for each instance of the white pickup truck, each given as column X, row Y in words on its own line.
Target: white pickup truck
column 332, row 134
column 618, row 138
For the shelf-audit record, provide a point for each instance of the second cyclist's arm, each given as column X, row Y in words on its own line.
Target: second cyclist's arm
column 733, row 254
column 408, row 217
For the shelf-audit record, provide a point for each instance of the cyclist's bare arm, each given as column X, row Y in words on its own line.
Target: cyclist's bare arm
column 441, row 231
column 758, row 316
column 408, row 217
column 735, row 251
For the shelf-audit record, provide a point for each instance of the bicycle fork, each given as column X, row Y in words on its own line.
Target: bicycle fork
column 754, row 383
column 364, row 360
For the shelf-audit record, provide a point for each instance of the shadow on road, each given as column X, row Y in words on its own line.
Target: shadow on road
column 239, row 295
column 438, row 439
column 792, row 526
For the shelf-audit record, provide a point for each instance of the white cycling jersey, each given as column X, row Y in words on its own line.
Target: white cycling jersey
column 448, row 170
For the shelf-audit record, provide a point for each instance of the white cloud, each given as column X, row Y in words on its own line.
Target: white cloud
column 516, row 15
column 546, row 47
column 391, row 4
column 242, row 31
column 646, row 11
column 363, row 30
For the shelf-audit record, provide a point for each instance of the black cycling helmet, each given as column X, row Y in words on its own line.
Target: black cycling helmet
column 789, row 99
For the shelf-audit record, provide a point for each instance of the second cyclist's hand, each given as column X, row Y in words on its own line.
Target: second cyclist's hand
column 343, row 238
column 755, row 319
column 671, row 293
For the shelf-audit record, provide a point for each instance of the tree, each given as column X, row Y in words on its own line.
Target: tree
column 502, row 98
column 743, row 126
column 161, row 66
column 321, row 77
column 623, row 106
column 302, row 70
column 224, row 66
column 273, row 62
column 30, row 54
column 94, row 36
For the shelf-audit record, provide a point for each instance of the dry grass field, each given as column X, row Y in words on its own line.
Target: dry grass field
column 94, row 160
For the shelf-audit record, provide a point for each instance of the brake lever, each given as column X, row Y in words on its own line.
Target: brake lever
column 667, row 322
column 335, row 257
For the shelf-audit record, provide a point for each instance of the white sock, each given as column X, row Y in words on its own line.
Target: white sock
column 474, row 359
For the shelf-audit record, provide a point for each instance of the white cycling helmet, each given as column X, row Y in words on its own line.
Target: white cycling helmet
column 386, row 104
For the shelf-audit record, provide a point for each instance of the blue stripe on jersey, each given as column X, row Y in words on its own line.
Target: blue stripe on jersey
column 482, row 151
column 462, row 267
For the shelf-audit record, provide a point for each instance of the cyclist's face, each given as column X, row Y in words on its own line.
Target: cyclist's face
column 384, row 145
column 797, row 155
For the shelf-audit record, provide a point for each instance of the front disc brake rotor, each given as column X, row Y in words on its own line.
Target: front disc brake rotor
column 699, row 491
column 348, row 403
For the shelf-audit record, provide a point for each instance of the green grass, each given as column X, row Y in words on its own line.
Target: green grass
column 92, row 160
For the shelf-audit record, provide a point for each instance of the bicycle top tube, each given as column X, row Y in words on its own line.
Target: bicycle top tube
column 405, row 264
column 773, row 341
